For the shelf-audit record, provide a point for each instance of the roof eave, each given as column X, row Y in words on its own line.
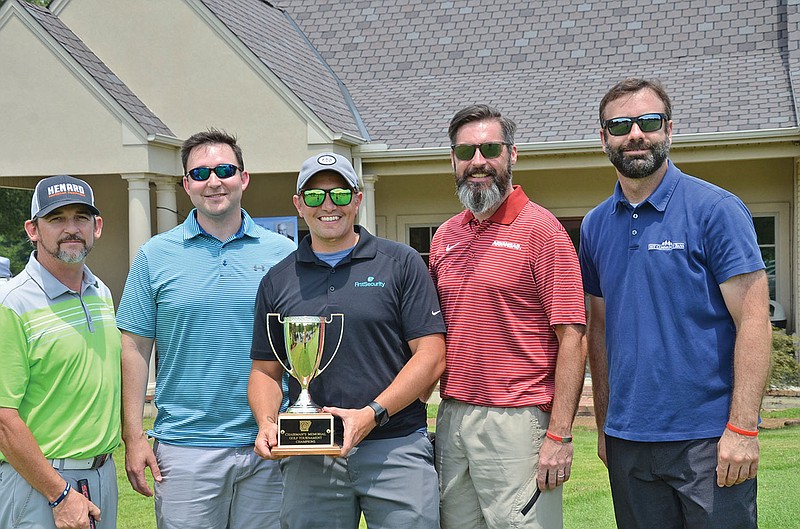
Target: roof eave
column 382, row 152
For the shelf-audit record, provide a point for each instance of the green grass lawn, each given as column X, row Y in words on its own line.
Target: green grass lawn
column 587, row 497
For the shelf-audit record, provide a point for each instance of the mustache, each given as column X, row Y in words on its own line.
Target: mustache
column 637, row 145
column 72, row 238
column 487, row 170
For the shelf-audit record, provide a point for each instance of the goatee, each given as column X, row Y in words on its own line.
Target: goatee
column 74, row 255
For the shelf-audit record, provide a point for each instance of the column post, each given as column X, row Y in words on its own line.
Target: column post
column 139, row 232
column 366, row 216
column 166, row 203
column 139, row 226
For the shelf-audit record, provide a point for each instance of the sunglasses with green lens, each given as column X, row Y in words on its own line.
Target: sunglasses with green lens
column 465, row 151
column 223, row 170
column 340, row 196
column 623, row 125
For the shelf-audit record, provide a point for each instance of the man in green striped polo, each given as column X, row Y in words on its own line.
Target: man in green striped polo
column 60, row 376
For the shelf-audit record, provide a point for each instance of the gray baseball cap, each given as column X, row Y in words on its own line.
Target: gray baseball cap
column 5, row 267
column 327, row 161
column 62, row 190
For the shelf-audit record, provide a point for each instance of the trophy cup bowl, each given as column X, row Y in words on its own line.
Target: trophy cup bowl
column 304, row 429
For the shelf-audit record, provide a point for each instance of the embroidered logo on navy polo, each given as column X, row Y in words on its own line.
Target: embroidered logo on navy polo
column 506, row 244
column 667, row 246
column 370, row 282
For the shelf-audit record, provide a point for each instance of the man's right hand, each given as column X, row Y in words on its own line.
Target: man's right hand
column 601, row 447
column 267, row 439
column 74, row 511
column 139, row 455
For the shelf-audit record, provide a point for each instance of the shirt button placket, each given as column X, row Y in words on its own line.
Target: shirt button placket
column 634, row 239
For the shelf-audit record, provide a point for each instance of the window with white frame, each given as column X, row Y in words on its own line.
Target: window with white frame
column 765, row 232
column 419, row 238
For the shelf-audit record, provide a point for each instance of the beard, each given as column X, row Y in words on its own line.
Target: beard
column 640, row 166
column 479, row 197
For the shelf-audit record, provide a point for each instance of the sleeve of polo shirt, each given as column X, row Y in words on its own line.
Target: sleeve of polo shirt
column 137, row 307
column 558, row 280
column 433, row 257
column 591, row 282
column 730, row 240
column 260, row 348
column 420, row 303
column 14, row 358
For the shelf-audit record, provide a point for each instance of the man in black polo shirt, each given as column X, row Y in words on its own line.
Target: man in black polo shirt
column 391, row 356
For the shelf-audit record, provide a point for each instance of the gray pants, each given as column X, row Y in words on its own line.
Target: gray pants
column 216, row 488
column 23, row 506
column 392, row 481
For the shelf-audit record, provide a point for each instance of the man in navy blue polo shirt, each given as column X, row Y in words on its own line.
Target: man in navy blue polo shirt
column 679, row 334
column 390, row 358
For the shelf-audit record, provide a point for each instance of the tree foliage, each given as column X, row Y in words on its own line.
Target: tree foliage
column 43, row 3
column 15, row 210
column 785, row 367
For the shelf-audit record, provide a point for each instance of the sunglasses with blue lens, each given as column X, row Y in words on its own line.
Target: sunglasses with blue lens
column 223, row 170
column 623, row 125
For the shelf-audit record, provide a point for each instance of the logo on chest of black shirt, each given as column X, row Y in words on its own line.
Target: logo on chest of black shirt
column 370, row 282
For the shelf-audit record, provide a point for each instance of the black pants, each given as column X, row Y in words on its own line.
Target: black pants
column 668, row 485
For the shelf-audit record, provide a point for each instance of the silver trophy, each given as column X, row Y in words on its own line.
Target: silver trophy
column 303, row 428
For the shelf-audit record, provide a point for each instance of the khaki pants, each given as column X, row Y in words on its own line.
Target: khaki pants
column 487, row 459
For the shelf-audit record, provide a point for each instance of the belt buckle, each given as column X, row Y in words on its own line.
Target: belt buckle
column 99, row 461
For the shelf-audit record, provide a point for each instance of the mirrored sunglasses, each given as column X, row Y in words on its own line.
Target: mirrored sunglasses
column 465, row 151
column 340, row 196
column 623, row 125
column 223, row 170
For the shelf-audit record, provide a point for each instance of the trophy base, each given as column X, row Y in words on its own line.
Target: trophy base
column 333, row 451
column 305, row 434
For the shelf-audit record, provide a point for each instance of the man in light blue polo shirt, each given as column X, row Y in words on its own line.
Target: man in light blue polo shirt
column 192, row 291
column 679, row 335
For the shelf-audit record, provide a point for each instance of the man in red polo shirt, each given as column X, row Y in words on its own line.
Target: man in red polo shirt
column 511, row 294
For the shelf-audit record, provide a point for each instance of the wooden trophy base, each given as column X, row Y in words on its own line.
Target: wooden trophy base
column 303, row 434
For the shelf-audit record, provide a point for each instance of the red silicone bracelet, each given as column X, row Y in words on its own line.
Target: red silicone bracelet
column 554, row 437
column 748, row 433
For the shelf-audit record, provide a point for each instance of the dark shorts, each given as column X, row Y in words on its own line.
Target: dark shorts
column 674, row 485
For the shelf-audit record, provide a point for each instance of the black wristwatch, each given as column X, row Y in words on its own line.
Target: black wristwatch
column 381, row 415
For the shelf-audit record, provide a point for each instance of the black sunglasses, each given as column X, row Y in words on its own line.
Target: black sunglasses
column 340, row 196
column 223, row 170
column 623, row 125
column 465, row 151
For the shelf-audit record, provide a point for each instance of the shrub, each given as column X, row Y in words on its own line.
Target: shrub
column 785, row 370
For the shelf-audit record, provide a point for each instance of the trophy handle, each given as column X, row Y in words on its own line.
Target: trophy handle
column 269, row 337
column 341, row 333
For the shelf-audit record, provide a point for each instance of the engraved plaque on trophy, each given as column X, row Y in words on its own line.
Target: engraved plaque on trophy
column 303, row 429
